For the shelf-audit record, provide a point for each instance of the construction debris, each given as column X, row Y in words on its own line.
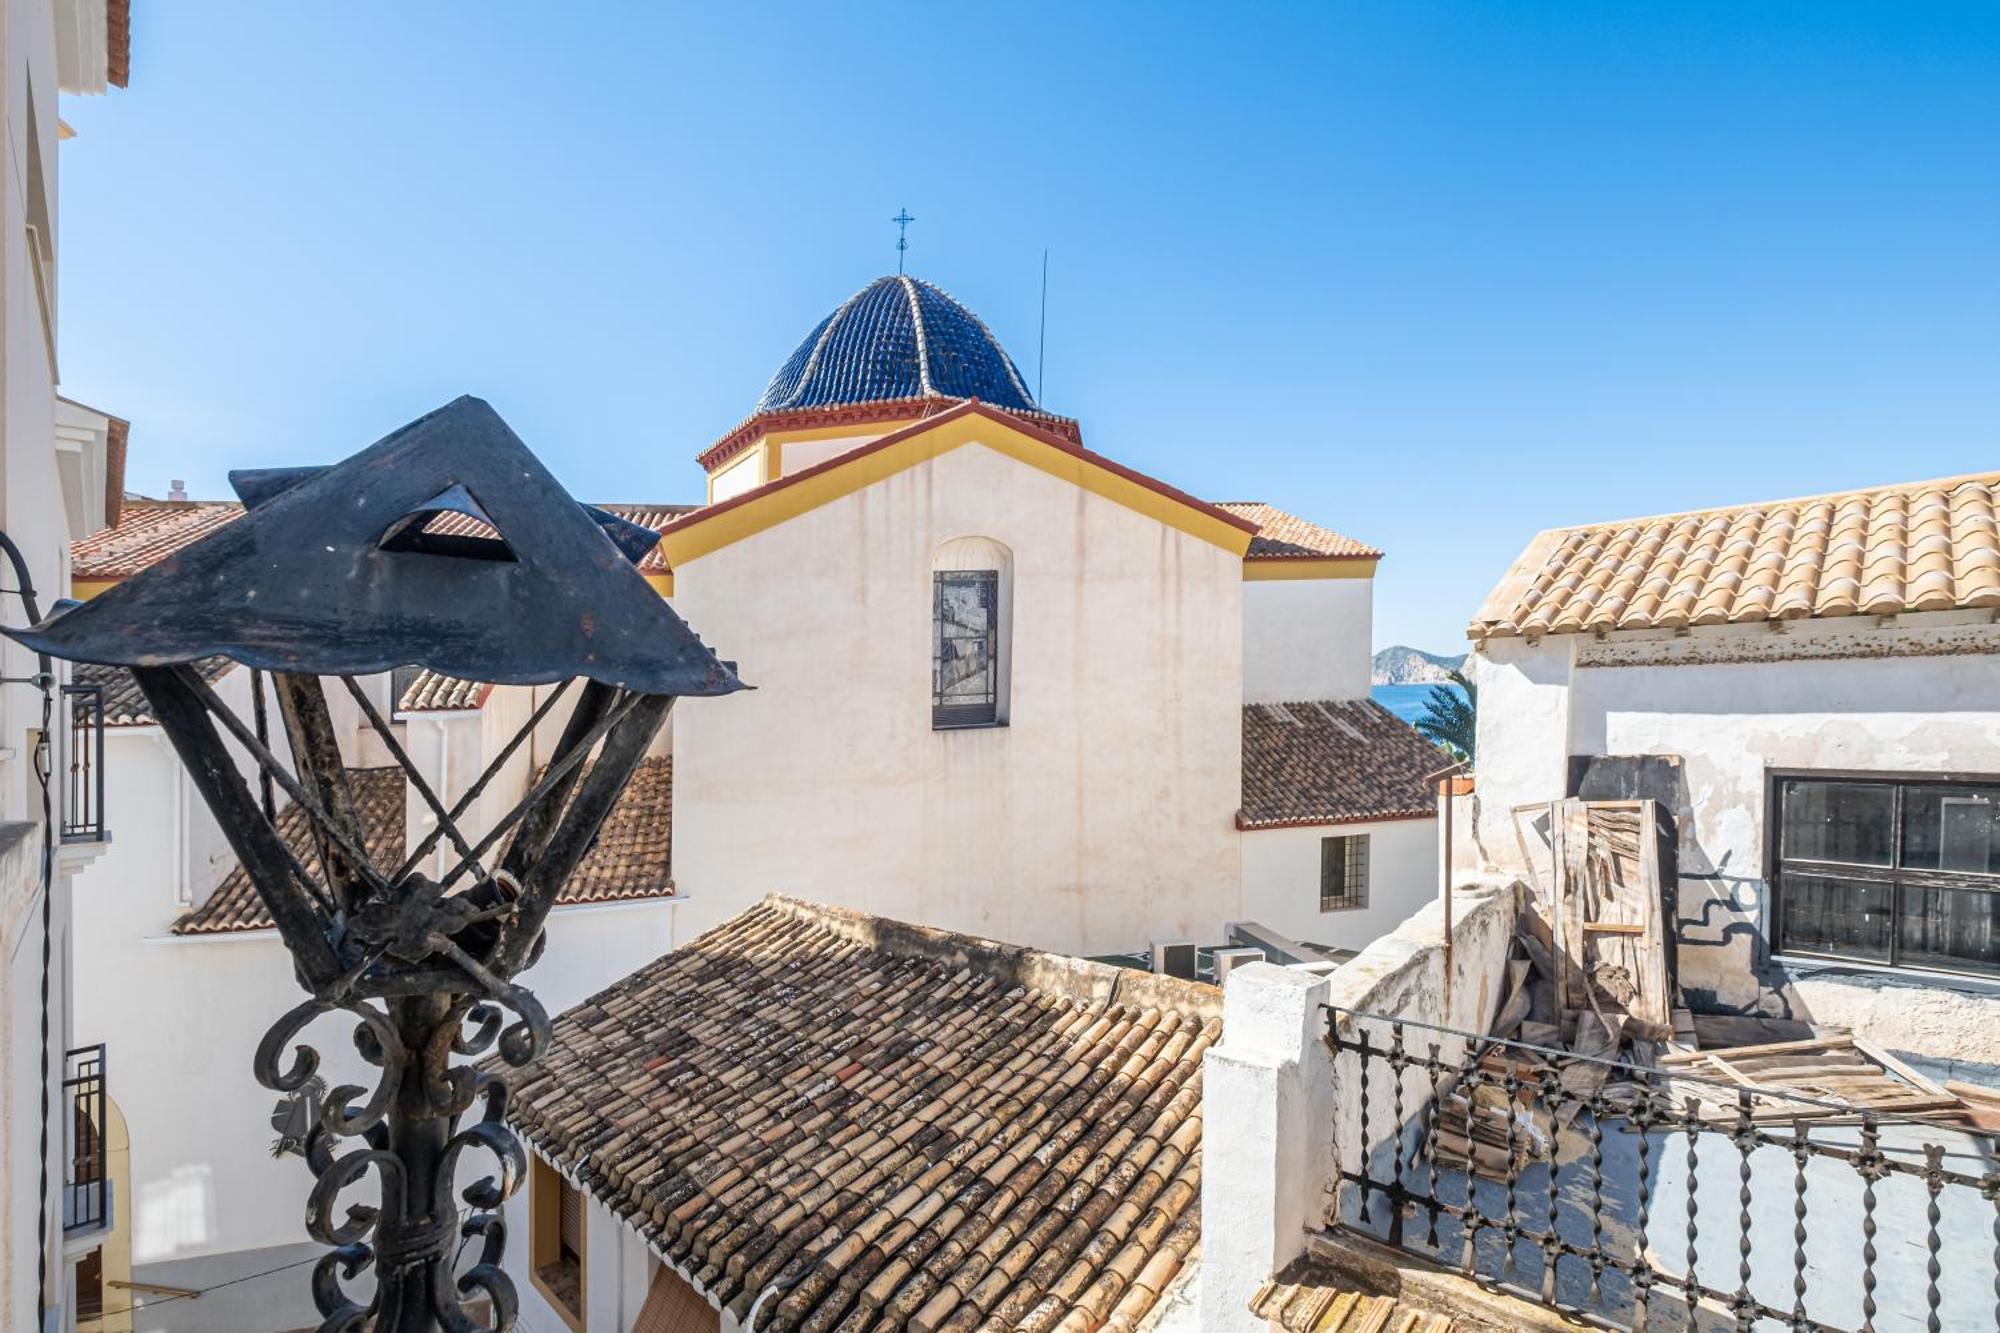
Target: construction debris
column 1838, row 1073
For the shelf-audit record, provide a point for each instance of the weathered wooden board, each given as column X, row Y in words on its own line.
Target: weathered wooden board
column 1608, row 911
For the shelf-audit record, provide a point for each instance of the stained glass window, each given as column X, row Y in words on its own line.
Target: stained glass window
column 965, row 648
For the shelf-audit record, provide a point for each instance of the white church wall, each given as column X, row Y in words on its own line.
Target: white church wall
column 1281, row 880
column 1307, row 639
column 1100, row 816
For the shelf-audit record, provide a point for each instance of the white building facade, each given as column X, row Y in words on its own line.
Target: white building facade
column 59, row 481
column 1812, row 689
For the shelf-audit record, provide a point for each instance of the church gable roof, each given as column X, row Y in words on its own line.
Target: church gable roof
column 728, row 521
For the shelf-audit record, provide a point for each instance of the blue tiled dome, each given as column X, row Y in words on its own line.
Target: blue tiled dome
column 898, row 337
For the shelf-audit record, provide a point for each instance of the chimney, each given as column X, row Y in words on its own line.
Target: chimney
column 177, row 490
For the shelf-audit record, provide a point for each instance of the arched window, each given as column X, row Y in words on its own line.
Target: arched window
column 972, row 588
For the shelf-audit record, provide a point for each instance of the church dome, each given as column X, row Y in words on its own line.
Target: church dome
column 898, row 337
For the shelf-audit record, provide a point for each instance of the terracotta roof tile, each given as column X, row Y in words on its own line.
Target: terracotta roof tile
column 378, row 800
column 1313, row 1295
column 1282, row 536
column 1333, row 762
column 148, row 531
column 124, row 706
column 434, row 692
column 632, row 857
column 913, row 1129
column 1923, row 546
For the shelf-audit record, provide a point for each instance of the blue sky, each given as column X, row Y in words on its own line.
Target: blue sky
column 1436, row 275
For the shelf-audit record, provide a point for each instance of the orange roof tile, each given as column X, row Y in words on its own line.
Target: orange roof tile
column 148, row 531
column 1920, row 546
column 1282, row 536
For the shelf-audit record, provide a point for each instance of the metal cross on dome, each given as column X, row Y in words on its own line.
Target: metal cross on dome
column 445, row 545
column 902, row 221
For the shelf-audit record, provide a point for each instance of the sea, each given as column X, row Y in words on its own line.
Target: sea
column 1407, row 701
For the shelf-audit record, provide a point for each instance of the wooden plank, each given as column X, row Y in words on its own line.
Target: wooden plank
column 1613, row 928
column 1901, row 1070
column 1838, row 1041
column 1973, row 1092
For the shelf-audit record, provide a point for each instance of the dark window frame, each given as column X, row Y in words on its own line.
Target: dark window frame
column 961, row 713
column 1351, row 894
column 1897, row 876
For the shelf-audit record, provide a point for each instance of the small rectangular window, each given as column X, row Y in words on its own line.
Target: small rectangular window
column 556, row 1241
column 965, row 648
column 1343, row 873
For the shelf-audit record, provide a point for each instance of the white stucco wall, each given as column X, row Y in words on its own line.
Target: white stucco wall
column 1307, row 639
column 1281, row 880
column 1919, row 696
column 40, row 518
column 1099, row 817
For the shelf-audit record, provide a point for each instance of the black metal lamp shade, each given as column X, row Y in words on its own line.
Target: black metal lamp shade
column 446, row 544
column 329, row 573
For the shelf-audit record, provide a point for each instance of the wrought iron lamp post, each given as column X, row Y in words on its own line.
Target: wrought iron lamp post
column 445, row 545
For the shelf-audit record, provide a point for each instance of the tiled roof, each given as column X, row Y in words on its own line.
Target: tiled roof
column 898, row 337
column 434, row 692
column 1924, row 546
column 1282, row 536
column 926, row 1131
column 1333, row 762
column 632, row 858
column 378, row 801
column 124, row 706
column 148, row 531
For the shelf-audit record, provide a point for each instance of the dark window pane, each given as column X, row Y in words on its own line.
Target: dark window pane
column 1952, row 828
column 1852, row 822
column 1950, row 928
column 1839, row 916
column 965, row 672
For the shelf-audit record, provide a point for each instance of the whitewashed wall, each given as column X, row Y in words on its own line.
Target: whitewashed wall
column 1100, row 816
column 1281, row 1114
column 1281, row 880
column 1307, row 639
column 1921, row 695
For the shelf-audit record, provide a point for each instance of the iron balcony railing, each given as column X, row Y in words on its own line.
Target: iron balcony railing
column 86, row 1182
column 1629, row 1197
column 83, row 763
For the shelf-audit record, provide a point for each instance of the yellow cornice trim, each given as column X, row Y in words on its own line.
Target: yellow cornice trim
column 85, row 589
column 1333, row 567
column 848, row 473
column 663, row 584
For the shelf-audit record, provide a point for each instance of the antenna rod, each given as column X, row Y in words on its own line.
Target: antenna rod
column 1042, row 345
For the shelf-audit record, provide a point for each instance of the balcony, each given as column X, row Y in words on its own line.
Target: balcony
column 82, row 776
column 86, row 1181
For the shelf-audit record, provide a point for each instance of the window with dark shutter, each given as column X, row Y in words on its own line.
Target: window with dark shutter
column 1343, row 872
column 965, row 648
